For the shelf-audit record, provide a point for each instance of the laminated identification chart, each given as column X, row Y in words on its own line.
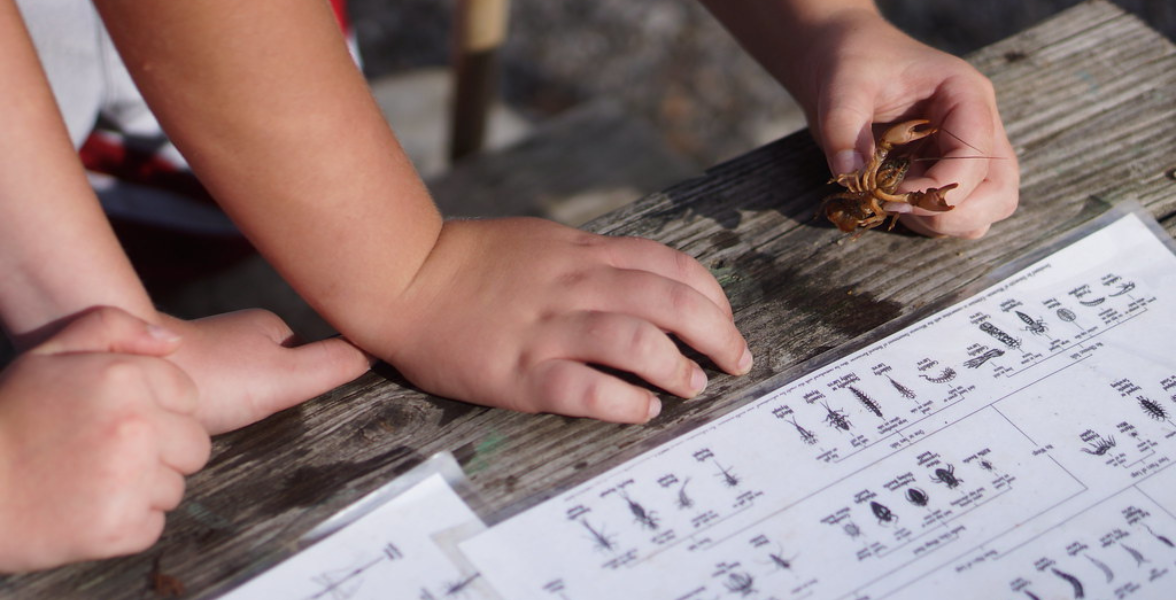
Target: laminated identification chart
column 404, row 548
column 1015, row 445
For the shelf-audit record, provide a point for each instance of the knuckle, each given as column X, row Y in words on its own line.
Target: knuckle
column 107, row 317
column 264, row 318
column 175, row 493
column 121, row 373
column 572, row 279
column 585, row 239
column 601, row 326
column 642, row 342
column 204, row 451
column 591, row 397
column 549, row 386
column 682, row 299
column 132, row 429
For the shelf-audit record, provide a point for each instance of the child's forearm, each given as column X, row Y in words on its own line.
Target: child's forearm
column 59, row 255
column 777, row 32
column 266, row 104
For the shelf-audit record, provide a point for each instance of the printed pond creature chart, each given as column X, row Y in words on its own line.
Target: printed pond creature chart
column 1015, row 445
column 403, row 548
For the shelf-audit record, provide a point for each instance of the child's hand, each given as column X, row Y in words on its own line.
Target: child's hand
column 247, row 368
column 857, row 69
column 513, row 313
column 96, row 435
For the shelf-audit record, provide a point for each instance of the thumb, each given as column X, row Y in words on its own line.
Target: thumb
column 109, row 329
column 844, row 119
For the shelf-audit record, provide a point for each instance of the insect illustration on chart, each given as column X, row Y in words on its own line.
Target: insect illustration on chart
column 975, row 363
column 740, row 583
column 808, row 437
column 987, row 465
column 1034, row 326
column 1000, row 335
column 728, row 475
column 1135, row 554
column 458, row 588
column 1102, row 566
column 1069, row 316
column 1093, row 302
column 917, row 496
column 1100, row 445
column 600, row 539
column 342, row 583
column 868, row 402
column 905, row 391
column 945, row 376
column 781, row 563
column 947, row 477
column 1152, row 409
column 647, row 518
column 852, row 530
column 1163, row 540
column 1124, row 287
column 883, row 513
column 836, row 419
column 684, row 499
column 1079, row 590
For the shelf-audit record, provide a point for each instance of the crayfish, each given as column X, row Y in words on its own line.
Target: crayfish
column 860, row 207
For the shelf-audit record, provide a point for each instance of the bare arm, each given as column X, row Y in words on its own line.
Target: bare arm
column 264, row 101
column 59, row 257
column 273, row 116
column 47, row 209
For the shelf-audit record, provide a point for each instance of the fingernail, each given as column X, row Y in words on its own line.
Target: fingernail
column 162, row 333
column 898, row 207
column 697, row 381
column 655, row 407
column 745, row 362
column 847, row 161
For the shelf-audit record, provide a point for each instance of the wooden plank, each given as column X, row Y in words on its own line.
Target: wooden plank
column 1087, row 98
column 594, row 151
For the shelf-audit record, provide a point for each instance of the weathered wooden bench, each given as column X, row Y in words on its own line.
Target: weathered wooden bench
column 1089, row 100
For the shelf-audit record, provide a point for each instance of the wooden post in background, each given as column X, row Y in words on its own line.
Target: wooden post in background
column 479, row 30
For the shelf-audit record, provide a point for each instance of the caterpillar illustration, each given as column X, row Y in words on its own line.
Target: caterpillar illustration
column 867, row 401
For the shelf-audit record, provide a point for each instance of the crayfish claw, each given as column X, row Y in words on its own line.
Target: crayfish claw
column 934, row 199
column 907, row 132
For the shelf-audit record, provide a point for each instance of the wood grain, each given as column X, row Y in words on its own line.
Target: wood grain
column 1089, row 100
